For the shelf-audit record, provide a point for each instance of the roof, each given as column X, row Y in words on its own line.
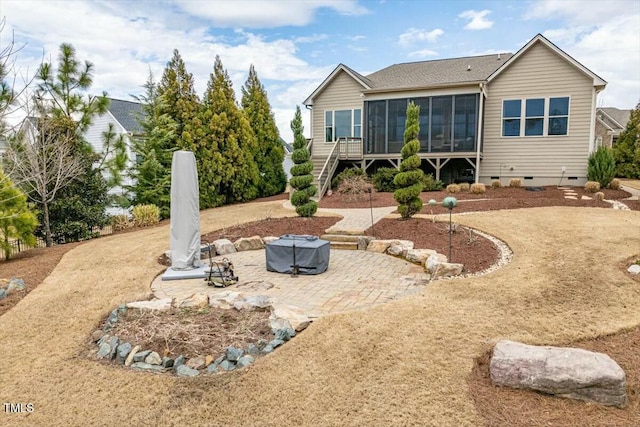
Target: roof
column 597, row 80
column 127, row 113
column 439, row 72
column 614, row 118
column 341, row 67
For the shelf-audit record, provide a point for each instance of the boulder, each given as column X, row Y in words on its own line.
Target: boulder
column 196, row 301
column 252, row 349
column 296, row 318
column 447, row 269
column 564, row 372
column 208, row 360
column 167, row 362
column 3, row 294
column 212, row 368
column 163, row 304
column 227, row 365
column 269, row 239
column 129, row 360
column 363, row 242
column 122, row 352
column 15, row 284
column 378, row 246
column 141, row 355
column 142, row 366
column 224, row 247
column 419, row 256
column 179, row 361
column 245, row 361
column 433, row 261
column 634, row 269
column 185, row 371
column 284, row 334
column 233, row 354
column 104, row 350
column 249, row 243
column 258, row 301
column 113, row 342
column 196, row 362
column 225, row 299
column 96, row 335
column 275, row 343
column 153, row 358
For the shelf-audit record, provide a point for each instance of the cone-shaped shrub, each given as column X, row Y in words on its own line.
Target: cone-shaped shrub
column 409, row 179
column 602, row 166
column 301, row 177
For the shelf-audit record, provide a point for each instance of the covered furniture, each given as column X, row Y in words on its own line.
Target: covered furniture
column 311, row 254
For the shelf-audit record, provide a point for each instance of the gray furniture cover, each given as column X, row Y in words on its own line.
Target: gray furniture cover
column 310, row 252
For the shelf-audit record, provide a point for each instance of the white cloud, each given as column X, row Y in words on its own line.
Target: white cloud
column 413, row 35
column 263, row 14
column 477, row 19
column 422, row 53
column 311, row 39
column 357, row 37
column 577, row 12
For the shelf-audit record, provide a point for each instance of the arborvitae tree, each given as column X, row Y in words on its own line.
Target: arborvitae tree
column 409, row 179
column 270, row 152
column 601, row 166
column 301, row 177
column 225, row 146
column 153, row 149
column 17, row 221
column 627, row 148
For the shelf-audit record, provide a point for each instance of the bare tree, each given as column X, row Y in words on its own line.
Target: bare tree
column 42, row 157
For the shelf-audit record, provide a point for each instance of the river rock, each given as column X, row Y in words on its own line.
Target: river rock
column 212, row 368
column 163, row 304
column 233, row 354
column 141, row 355
column 245, row 360
column 122, row 352
column 179, row 361
column 248, row 243
column 252, row 349
column 104, row 350
column 153, row 359
column 284, row 334
column 142, row 366
column 167, row 362
column 196, row 362
column 113, row 342
column 224, row 247
column 185, row 371
column 565, row 372
column 227, row 365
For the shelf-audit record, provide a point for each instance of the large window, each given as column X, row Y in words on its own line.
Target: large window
column 441, row 123
column 376, row 127
column 423, row 136
column 396, row 120
column 465, row 122
column 535, row 117
column 342, row 124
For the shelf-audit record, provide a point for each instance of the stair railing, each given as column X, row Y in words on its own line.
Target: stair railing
column 329, row 167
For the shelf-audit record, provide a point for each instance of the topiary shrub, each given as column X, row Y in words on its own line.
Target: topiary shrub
column 496, row 184
column 601, row 166
column 355, row 187
column 464, row 186
column 120, row 222
column 145, row 215
column 592, row 186
column 614, row 184
column 347, row 173
column 515, row 183
column 409, row 179
column 429, row 183
column 599, row 196
column 301, row 178
column 453, row 188
column 478, row 188
column 383, row 179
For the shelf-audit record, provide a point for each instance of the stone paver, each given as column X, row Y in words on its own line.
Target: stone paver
column 355, row 279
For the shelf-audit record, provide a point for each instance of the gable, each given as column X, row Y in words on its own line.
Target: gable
column 342, row 72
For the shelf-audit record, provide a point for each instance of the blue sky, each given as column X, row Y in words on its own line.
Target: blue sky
column 294, row 45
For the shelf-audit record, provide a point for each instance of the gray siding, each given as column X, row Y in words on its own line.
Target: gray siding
column 539, row 72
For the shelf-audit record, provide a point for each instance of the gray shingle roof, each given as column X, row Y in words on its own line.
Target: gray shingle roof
column 127, row 114
column 620, row 116
column 437, row 72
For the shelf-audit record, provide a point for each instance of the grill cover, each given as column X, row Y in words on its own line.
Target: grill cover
column 310, row 252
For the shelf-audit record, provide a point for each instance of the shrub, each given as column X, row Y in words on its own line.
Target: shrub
column 496, row 183
column 478, row 188
column 601, row 166
column 453, row 188
column 145, row 215
column 599, row 196
column 383, row 179
column 409, row 179
column 431, row 184
column 347, row 173
column 354, row 187
column 592, row 186
column 464, row 186
column 301, row 177
column 515, row 182
column 120, row 222
column 614, row 184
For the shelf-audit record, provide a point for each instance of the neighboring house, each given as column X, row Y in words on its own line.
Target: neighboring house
column 528, row 115
column 124, row 116
column 610, row 123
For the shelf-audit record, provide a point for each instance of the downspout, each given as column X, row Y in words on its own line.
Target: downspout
column 483, row 94
column 592, row 126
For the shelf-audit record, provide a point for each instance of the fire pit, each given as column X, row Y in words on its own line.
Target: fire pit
column 298, row 254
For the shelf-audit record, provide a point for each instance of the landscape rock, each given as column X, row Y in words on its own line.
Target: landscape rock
column 227, row 365
column 419, row 256
column 249, row 243
column 224, row 247
column 269, row 239
column 267, row 349
column 129, row 360
column 96, row 335
column 634, row 269
column 245, row 361
column 142, row 366
column 167, row 362
column 208, row 360
column 186, row 371
column 564, row 372
column 196, row 362
column 219, row 360
column 252, row 349
column 153, row 359
column 141, row 355
column 104, row 350
column 448, row 269
column 224, row 300
column 296, row 318
column 261, row 343
column 284, row 334
column 3, row 294
column 233, row 354
column 122, row 352
column 212, row 368
column 163, row 304
column 275, row 343
column 258, row 301
column 15, row 284
column 105, row 338
column 433, row 261
column 378, row 246
column 178, row 362
column 113, row 342
column 196, row 300
column 363, row 242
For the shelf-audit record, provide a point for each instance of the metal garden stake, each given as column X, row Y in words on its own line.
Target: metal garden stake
column 450, row 203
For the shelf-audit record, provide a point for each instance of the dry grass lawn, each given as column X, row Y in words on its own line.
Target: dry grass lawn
column 402, row 363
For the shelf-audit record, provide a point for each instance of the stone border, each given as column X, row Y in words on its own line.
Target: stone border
column 285, row 321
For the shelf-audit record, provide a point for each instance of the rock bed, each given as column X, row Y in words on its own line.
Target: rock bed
column 12, row 285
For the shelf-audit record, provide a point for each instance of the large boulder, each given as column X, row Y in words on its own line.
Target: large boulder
column 196, row 301
column 419, row 256
column 249, row 243
column 163, row 304
column 224, row 247
column 565, row 372
column 433, row 261
column 378, row 246
column 447, row 269
column 225, row 300
column 285, row 316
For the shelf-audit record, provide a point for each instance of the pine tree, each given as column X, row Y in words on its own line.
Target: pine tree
column 409, row 179
column 301, row 178
column 627, row 149
column 226, row 166
column 269, row 156
column 17, row 221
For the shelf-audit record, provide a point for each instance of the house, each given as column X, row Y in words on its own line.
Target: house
column 610, row 123
column 528, row 115
column 123, row 117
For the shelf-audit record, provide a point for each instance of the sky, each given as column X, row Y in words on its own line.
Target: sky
column 294, row 44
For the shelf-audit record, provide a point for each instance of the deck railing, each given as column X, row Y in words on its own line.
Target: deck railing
column 350, row 148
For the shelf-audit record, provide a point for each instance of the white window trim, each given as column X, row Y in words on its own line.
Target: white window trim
column 523, row 117
column 333, row 121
